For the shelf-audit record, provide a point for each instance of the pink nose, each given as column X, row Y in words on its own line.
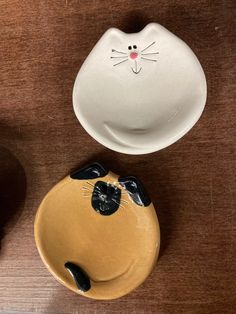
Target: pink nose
column 133, row 55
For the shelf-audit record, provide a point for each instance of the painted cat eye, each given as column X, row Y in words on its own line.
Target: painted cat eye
column 130, row 47
column 134, row 46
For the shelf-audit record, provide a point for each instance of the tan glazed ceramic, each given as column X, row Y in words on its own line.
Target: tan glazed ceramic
column 98, row 233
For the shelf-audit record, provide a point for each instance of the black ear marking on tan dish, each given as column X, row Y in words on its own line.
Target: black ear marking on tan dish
column 80, row 277
column 136, row 190
column 93, row 171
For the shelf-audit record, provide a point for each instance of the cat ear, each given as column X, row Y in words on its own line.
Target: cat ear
column 114, row 35
column 151, row 29
column 136, row 190
column 114, row 32
column 92, row 171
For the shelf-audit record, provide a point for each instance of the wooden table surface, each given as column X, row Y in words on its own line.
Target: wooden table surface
column 192, row 182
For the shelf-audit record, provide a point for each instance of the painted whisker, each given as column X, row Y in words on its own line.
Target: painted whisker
column 148, row 46
column 149, row 53
column 117, row 203
column 114, row 50
column 124, row 201
column 120, row 62
column 120, row 57
column 89, row 183
column 148, row 59
column 84, row 188
column 95, row 187
column 127, row 192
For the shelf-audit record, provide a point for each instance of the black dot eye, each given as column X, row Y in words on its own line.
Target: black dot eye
column 134, row 46
column 129, row 47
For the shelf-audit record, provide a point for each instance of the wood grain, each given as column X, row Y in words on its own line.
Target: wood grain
column 192, row 183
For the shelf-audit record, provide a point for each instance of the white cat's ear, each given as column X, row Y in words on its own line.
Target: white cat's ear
column 114, row 34
column 151, row 29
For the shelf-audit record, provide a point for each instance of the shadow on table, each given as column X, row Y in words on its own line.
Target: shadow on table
column 12, row 190
column 135, row 21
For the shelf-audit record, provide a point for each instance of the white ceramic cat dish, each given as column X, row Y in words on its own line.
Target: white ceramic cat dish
column 138, row 93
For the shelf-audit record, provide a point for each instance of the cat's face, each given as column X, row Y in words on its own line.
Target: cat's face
column 105, row 198
column 135, row 56
column 137, row 93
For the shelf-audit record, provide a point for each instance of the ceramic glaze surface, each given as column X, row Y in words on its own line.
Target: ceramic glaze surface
column 115, row 247
column 138, row 93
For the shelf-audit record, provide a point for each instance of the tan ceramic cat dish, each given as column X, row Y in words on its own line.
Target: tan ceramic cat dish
column 138, row 93
column 98, row 233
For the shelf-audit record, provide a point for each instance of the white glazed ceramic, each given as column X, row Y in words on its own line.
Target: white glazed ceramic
column 138, row 93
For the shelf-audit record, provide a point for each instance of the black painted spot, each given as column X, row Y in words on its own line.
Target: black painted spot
column 80, row 277
column 92, row 171
column 105, row 198
column 136, row 190
column 130, row 47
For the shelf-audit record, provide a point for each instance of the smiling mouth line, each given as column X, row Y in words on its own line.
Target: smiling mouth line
column 135, row 70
